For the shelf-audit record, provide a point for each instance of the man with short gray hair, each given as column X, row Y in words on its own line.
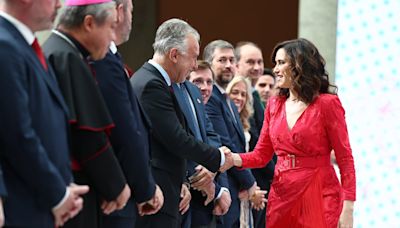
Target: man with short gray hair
column 84, row 33
column 176, row 49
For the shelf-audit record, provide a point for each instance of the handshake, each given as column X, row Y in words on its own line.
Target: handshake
column 231, row 159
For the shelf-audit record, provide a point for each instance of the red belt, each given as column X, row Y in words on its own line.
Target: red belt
column 292, row 161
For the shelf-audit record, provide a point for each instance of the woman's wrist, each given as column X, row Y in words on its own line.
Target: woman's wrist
column 348, row 205
column 237, row 160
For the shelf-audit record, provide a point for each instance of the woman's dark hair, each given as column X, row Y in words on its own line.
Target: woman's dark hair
column 308, row 67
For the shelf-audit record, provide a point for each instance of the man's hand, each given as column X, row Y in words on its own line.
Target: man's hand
column 222, row 204
column 202, row 178
column 72, row 204
column 208, row 191
column 108, row 206
column 153, row 205
column 117, row 204
column 123, row 197
column 185, row 199
column 228, row 159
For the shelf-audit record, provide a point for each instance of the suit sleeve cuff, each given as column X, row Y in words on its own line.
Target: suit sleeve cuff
column 221, row 191
column 67, row 192
column 222, row 157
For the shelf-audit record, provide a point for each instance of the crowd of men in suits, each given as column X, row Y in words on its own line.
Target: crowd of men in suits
column 86, row 143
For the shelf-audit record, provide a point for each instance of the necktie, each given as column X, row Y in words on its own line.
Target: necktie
column 38, row 50
column 192, row 117
column 230, row 104
column 127, row 69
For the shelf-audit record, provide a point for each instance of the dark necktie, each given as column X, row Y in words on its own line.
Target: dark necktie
column 191, row 113
column 127, row 69
column 230, row 104
column 38, row 50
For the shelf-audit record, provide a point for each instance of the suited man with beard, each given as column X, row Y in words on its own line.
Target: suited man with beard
column 225, row 118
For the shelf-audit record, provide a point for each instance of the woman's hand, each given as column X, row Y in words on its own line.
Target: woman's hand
column 346, row 217
column 237, row 160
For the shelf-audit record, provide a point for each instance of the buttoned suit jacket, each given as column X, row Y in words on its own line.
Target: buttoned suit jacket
column 231, row 133
column 200, row 214
column 171, row 142
column 33, row 134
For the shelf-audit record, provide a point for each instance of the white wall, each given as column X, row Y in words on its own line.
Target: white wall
column 367, row 73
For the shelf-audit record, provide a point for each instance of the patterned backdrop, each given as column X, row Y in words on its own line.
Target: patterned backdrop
column 368, row 77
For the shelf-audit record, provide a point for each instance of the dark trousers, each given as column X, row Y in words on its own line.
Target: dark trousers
column 118, row 222
column 186, row 219
column 89, row 216
column 159, row 220
column 259, row 218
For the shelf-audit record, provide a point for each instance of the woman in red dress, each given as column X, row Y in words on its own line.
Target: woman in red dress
column 302, row 125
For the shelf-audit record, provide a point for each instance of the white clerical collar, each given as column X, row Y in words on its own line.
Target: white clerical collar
column 113, row 47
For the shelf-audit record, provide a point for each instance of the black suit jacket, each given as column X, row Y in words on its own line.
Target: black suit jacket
column 33, row 134
column 131, row 136
column 171, row 144
column 258, row 111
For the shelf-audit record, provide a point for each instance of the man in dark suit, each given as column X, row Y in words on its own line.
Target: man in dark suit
column 226, row 122
column 250, row 64
column 33, row 134
column 84, row 33
column 176, row 49
column 191, row 101
column 202, row 180
column 131, row 135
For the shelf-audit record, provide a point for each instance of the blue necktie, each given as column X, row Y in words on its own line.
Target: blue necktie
column 191, row 113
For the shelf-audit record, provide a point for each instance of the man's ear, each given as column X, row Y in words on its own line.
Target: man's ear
column 173, row 55
column 120, row 13
column 88, row 23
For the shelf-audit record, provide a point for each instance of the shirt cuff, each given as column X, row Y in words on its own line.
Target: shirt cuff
column 67, row 192
column 222, row 157
column 221, row 191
